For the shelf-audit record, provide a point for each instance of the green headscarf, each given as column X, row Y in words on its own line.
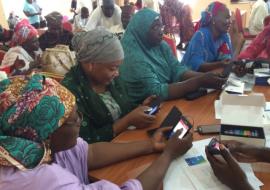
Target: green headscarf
column 147, row 70
column 31, row 108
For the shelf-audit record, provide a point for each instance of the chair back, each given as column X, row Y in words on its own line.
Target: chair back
column 238, row 19
column 170, row 41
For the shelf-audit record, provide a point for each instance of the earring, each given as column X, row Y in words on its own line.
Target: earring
column 47, row 157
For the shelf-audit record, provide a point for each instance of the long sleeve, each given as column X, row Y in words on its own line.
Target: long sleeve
column 196, row 52
column 259, row 17
column 93, row 19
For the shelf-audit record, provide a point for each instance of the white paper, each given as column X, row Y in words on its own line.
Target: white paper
column 267, row 106
column 263, row 72
column 217, row 109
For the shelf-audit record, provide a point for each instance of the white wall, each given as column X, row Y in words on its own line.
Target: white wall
column 62, row 6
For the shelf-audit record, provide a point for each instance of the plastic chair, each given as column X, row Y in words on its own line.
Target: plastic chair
column 170, row 41
column 239, row 22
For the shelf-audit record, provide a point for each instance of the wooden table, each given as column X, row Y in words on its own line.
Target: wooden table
column 202, row 111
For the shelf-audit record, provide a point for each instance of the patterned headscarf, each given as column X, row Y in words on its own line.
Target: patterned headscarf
column 23, row 31
column 54, row 18
column 30, row 110
column 212, row 10
column 97, row 46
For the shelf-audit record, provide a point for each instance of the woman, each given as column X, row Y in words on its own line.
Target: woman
column 210, row 47
column 182, row 13
column 259, row 48
column 22, row 57
column 40, row 148
column 32, row 13
column 100, row 98
column 150, row 67
column 55, row 34
column 80, row 20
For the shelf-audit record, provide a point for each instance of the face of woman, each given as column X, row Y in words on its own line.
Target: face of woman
column 155, row 33
column 66, row 136
column 102, row 73
column 32, row 44
column 222, row 21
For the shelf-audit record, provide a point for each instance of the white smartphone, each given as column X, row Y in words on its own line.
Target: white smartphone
column 208, row 129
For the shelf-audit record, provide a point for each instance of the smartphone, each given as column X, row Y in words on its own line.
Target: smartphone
column 196, row 94
column 170, row 120
column 183, row 124
column 154, row 106
column 208, row 129
column 213, row 146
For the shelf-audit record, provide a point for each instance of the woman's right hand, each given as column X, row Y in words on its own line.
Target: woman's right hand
column 177, row 147
column 243, row 152
column 139, row 118
column 211, row 80
column 240, row 70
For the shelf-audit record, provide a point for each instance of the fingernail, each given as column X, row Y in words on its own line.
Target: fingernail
column 222, row 147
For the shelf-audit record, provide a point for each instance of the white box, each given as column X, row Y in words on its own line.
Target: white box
column 243, row 110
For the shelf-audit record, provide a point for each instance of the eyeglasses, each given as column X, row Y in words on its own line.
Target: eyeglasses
column 80, row 115
column 158, row 27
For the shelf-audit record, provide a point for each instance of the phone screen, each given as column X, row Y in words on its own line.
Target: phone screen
column 181, row 125
column 213, row 146
column 153, row 110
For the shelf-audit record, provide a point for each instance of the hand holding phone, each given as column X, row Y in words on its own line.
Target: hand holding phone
column 154, row 106
column 170, row 120
column 213, row 148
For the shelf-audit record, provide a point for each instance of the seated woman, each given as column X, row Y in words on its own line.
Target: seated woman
column 22, row 57
column 210, row 48
column 55, row 34
column 259, row 48
column 150, row 67
column 40, row 148
column 100, row 98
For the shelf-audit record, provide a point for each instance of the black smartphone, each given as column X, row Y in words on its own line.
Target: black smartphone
column 196, row 94
column 227, row 70
column 213, row 146
column 208, row 129
column 183, row 124
column 154, row 106
column 170, row 120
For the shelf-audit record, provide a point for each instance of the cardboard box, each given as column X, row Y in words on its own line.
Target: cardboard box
column 242, row 110
column 244, row 134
